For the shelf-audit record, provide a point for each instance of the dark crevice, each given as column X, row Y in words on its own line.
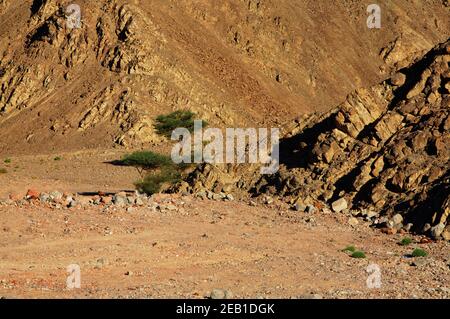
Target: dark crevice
column 36, row 6
column 292, row 155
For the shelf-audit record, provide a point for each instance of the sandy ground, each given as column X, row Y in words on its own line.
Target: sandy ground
column 188, row 246
column 82, row 171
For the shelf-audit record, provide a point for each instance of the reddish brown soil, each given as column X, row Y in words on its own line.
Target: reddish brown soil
column 262, row 251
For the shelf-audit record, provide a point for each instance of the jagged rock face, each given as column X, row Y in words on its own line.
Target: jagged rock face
column 386, row 148
column 238, row 63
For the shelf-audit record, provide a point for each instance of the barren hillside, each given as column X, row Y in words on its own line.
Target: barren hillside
column 365, row 149
column 234, row 62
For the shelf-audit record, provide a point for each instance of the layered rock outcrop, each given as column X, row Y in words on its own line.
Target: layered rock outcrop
column 386, row 148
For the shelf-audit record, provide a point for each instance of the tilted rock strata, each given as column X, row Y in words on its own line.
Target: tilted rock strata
column 236, row 64
column 386, row 148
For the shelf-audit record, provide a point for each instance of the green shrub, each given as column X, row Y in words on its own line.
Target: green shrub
column 405, row 241
column 419, row 253
column 3, row 171
column 349, row 249
column 358, row 254
column 7, row 161
column 165, row 171
column 146, row 160
column 166, row 124
column 153, row 183
column 57, row 158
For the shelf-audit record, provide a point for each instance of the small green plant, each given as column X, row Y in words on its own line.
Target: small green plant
column 7, row 161
column 153, row 183
column 165, row 124
column 405, row 241
column 57, row 158
column 419, row 253
column 3, row 171
column 358, row 254
column 349, row 249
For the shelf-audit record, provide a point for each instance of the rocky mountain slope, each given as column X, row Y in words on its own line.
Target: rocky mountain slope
column 236, row 63
column 386, row 150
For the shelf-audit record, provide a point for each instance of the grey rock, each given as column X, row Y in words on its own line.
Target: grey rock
column 44, row 198
column 221, row 294
column 310, row 209
column 73, row 203
column 55, row 195
column 120, row 200
column 139, row 201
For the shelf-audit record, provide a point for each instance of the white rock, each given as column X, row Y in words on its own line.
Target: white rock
column 339, row 205
column 437, row 230
column 397, row 219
